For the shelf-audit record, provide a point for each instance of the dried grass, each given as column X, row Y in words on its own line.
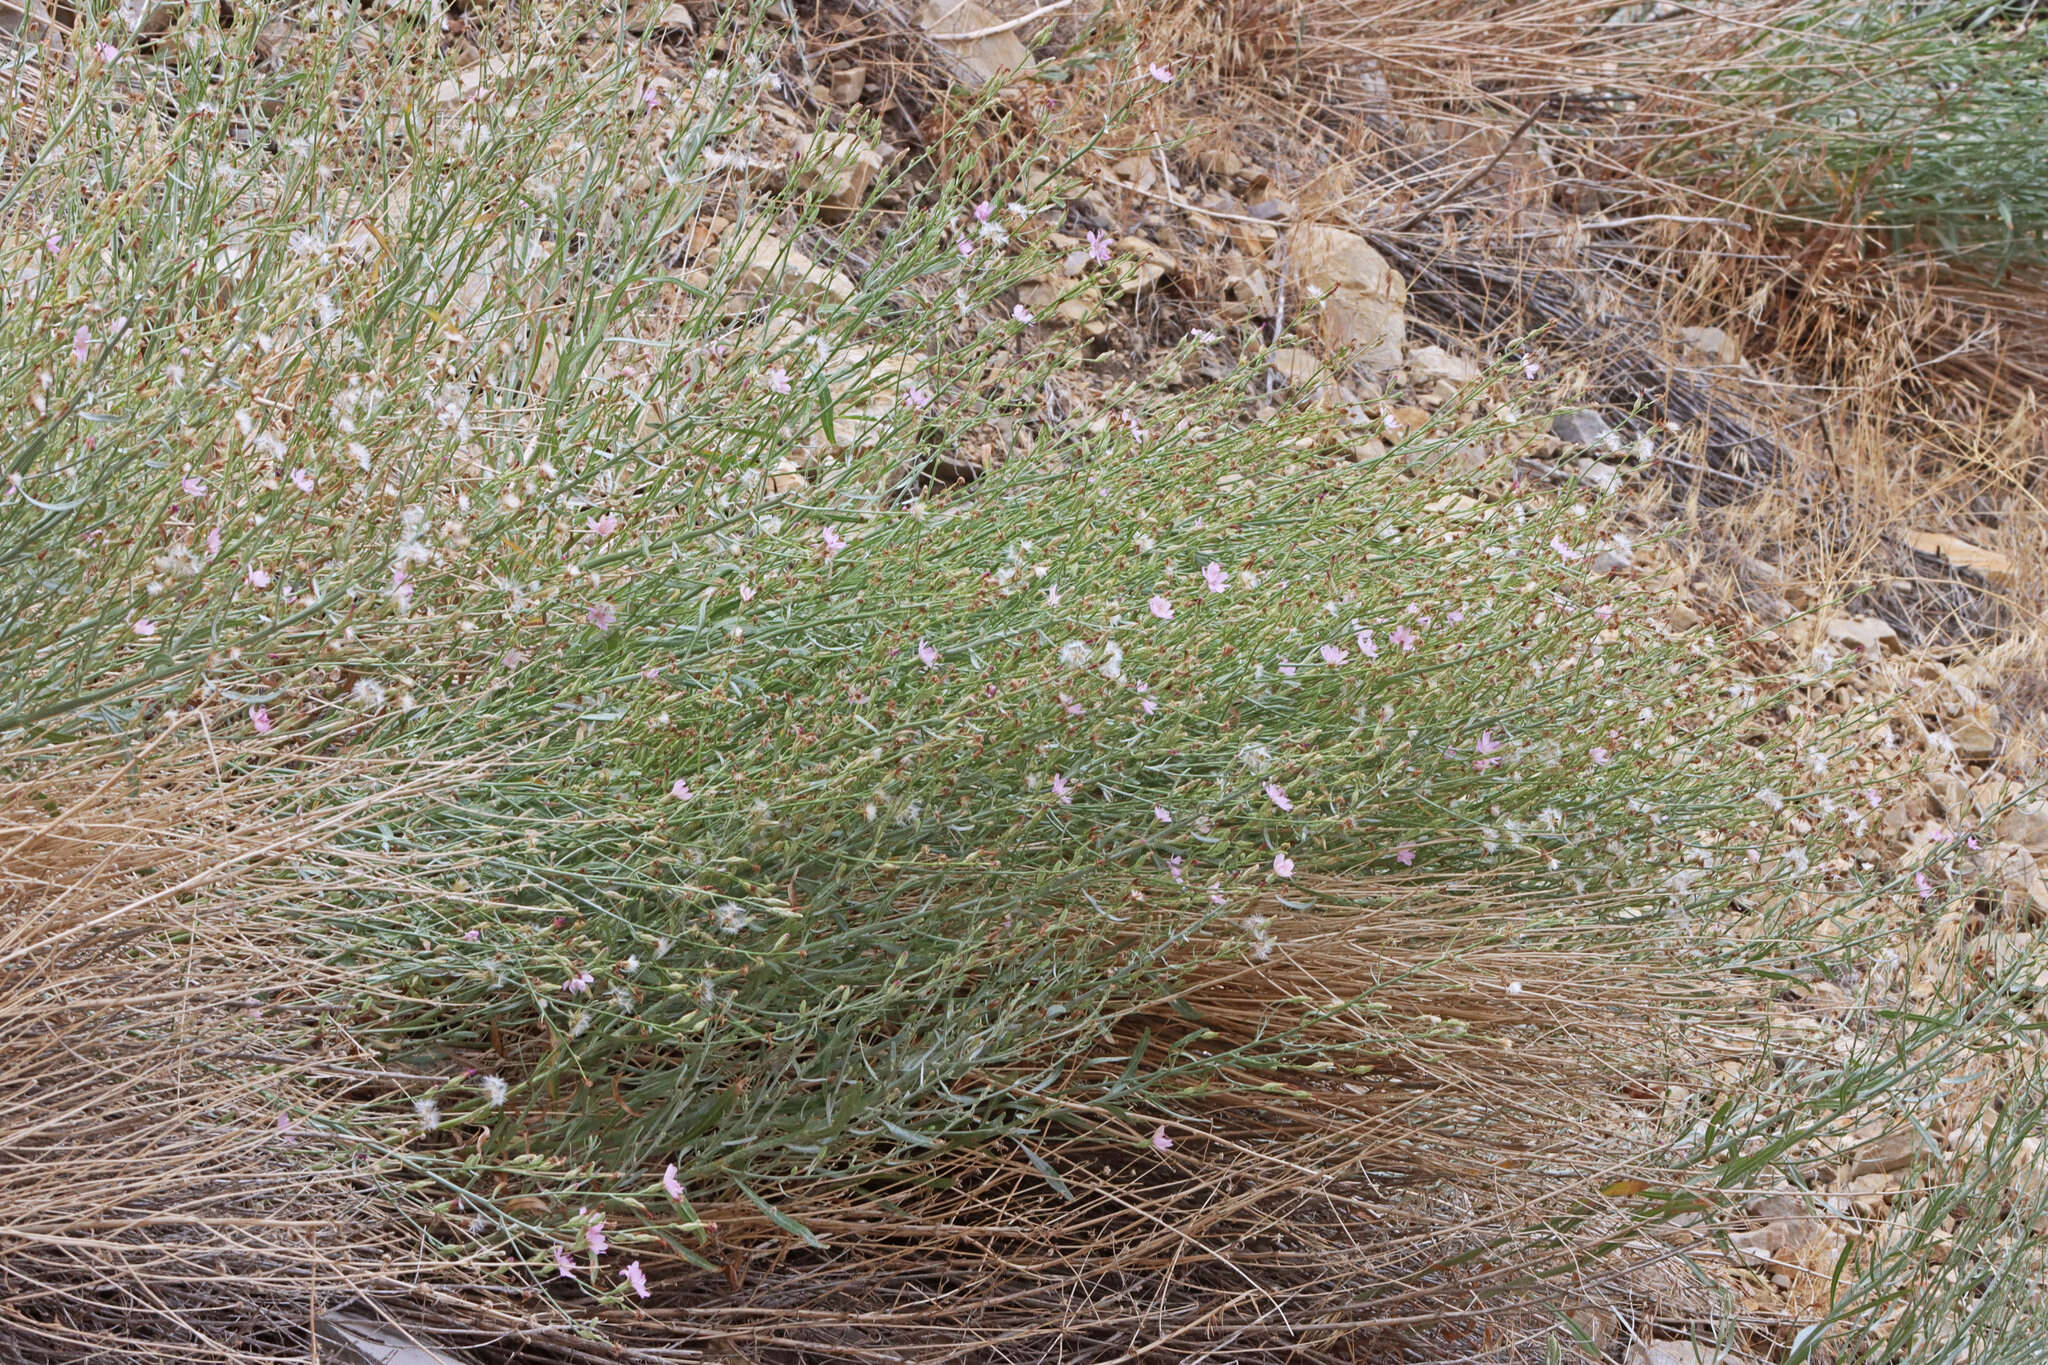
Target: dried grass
column 150, row 1206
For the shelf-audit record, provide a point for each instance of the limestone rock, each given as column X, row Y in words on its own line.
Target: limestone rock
column 1141, row 264
column 1994, row 567
column 1361, row 295
column 839, row 168
column 1678, row 1353
column 1709, row 346
column 768, row 262
column 662, row 18
column 1975, row 741
column 847, row 84
column 2027, row 826
column 1585, row 427
column 1433, row 365
column 1866, row 633
column 1294, row 365
column 1057, row 301
column 983, row 58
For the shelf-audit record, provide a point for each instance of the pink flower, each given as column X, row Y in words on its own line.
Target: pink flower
column 81, row 342
column 1098, row 249
column 1926, row 887
column 1367, row 645
column 1162, row 815
column 670, row 1185
column 1403, row 637
column 1159, row 73
column 1487, row 743
column 194, row 488
column 106, row 52
column 144, row 627
column 634, row 1276
column 834, row 542
column 1073, row 707
column 778, row 379
column 1287, row 670
column 1455, row 617
column 928, row 656
column 1161, row 608
column 917, row 397
column 564, row 1264
column 302, row 479
column 1147, row 705
column 1160, row 1141
column 983, row 211
column 746, row 592
column 680, row 790
column 1870, row 795
column 1277, row 794
column 1604, row 612
column 651, row 98
column 1063, row 789
column 965, row 248
column 1173, row 865
column 1022, row 314
column 1283, row 866
column 1214, row 577
column 1600, row 755
column 213, row 541
column 259, row 716
column 1564, row 551
column 601, row 615
column 594, row 1238
column 1405, row 855
column 259, row 577
column 472, row 935
column 579, row 984
column 605, row 525
column 1333, row 655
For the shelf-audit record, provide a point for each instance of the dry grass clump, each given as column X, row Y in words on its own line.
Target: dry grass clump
column 158, row 1199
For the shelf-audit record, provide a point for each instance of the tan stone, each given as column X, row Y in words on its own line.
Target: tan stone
column 1294, row 365
column 839, row 168
column 1994, row 567
column 660, row 18
column 847, row 84
column 1435, row 365
column 1709, row 345
column 1864, row 632
column 1326, row 259
column 1141, row 264
column 768, row 262
column 1361, row 295
column 1371, row 328
column 984, row 58
column 1059, row 302
column 1975, row 740
column 2027, row 826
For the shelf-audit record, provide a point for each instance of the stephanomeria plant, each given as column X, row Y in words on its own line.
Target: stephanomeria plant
column 829, row 815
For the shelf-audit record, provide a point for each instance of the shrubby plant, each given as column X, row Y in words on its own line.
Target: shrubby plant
column 870, row 735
